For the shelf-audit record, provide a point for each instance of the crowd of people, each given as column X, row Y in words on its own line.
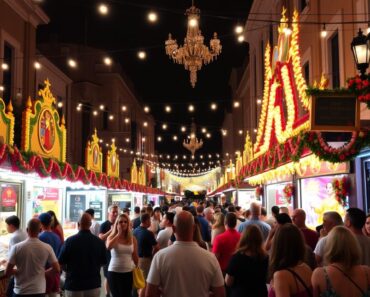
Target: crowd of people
column 193, row 249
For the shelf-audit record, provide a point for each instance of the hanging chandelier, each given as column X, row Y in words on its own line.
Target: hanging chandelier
column 193, row 144
column 193, row 54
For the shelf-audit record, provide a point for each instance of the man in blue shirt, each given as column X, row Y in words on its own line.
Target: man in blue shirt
column 204, row 225
column 255, row 209
column 146, row 243
column 82, row 256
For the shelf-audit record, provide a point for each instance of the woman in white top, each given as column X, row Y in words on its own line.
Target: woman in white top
column 123, row 247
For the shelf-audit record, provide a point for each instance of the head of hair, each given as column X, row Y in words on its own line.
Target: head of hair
column 90, row 211
column 230, row 220
column 288, row 248
column 334, row 217
column 231, row 208
column 283, row 218
column 137, row 209
column 85, row 221
column 14, row 221
column 251, row 241
column 219, row 220
column 200, row 209
column 54, row 221
column 184, row 224
column 149, row 210
column 284, row 209
column 357, row 217
column 33, row 227
column 144, row 217
column 275, row 210
column 197, row 236
column 170, row 216
column 263, row 211
column 255, row 209
column 348, row 254
column 111, row 207
column 127, row 233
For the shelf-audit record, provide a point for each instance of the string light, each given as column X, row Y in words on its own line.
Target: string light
column 164, row 126
column 191, row 108
column 145, row 124
column 167, row 108
column 152, row 17
column 241, row 38
column 60, row 104
column 101, row 107
column 236, row 104
column 72, row 63
column 4, row 66
column 37, row 65
column 107, row 61
column 224, row 132
column 259, row 101
column 213, row 106
column 103, row 9
column 146, row 109
column 111, row 117
column 159, row 138
column 127, row 120
column 124, row 108
column 174, row 138
column 239, row 29
column 204, row 130
column 95, row 112
column 323, row 32
column 208, row 135
column 141, row 55
column 127, row 139
column 183, row 129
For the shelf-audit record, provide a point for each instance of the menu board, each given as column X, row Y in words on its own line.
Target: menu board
column 77, row 206
column 97, row 206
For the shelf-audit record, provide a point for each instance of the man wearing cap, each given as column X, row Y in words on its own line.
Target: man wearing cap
column 30, row 257
column 49, row 237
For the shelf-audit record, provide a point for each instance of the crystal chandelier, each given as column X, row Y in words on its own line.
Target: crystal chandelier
column 193, row 143
column 193, row 54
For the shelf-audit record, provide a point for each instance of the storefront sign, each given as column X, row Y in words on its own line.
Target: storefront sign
column 9, row 197
column 77, row 206
column 97, row 206
column 45, row 199
column 334, row 112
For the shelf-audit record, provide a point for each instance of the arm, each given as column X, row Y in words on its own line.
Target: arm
column 55, row 268
column 155, row 249
column 316, row 280
column 229, row 280
column 281, row 286
column 152, row 291
column 218, row 291
column 104, row 236
column 270, row 238
column 135, row 255
column 9, row 270
column 111, row 241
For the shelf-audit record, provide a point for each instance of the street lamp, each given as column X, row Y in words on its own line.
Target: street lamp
column 360, row 46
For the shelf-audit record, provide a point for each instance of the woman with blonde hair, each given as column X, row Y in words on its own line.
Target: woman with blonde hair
column 247, row 270
column 219, row 226
column 123, row 247
column 291, row 276
column 343, row 275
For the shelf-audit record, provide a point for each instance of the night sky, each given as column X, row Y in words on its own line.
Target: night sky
column 157, row 80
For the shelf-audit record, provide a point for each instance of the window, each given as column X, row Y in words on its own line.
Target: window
column 334, row 56
column 8, row 74
column 306, row 72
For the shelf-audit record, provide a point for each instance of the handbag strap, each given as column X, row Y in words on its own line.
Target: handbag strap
column 350, row 279
column 297, row 277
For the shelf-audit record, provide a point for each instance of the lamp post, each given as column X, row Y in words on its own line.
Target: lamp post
column 360, row 46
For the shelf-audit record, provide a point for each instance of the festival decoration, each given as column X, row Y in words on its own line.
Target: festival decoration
column 112, row 161
column 340, row 187
column 44, row 167
column 6, row 123
column 134, row 172
column 360, row 87
column 288, row 191
column 280, row 117
column 258, row 192
column 93, row 154
column 43, row 132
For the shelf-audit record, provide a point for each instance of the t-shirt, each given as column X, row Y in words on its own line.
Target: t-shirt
column 224, row 246
column 136, row 223
column 205, row 230
column 30, row 257
column 164, row 236
column 17, row 237
column 83, row 255
column 311, row 237
column 320, row 247
column 95, row 227
column 145, row 242
column 250, row 275
column 104, row 228
column 264, row 227
column 184, row 269
column 51, row 239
